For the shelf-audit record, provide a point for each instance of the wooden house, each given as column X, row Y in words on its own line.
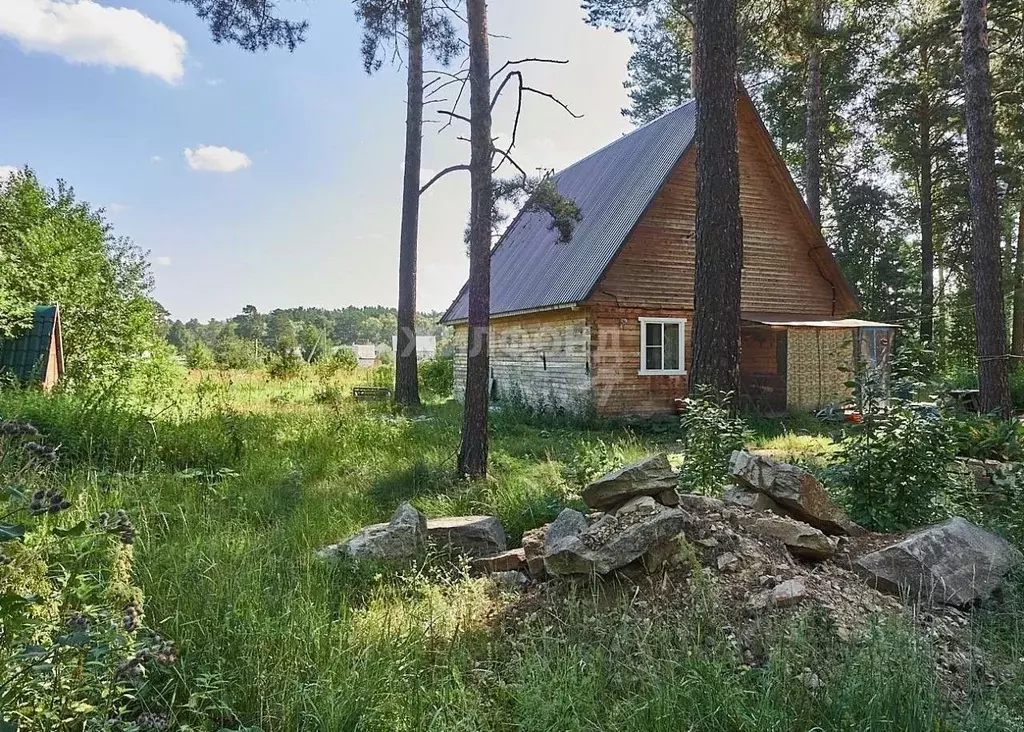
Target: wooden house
column 36, row 354
column 604, row 322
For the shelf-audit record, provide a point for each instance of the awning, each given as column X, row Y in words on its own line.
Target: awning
column 797, row 321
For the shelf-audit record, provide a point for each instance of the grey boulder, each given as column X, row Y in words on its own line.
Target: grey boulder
column 802, row 540
column 472, row 536
column 402, row 537
column 751, row 499
column 796, row 490
column 953, row 563
column 614, row 541
column 648, row 477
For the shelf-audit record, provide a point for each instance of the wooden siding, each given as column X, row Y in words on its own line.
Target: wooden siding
column 619, row 388
column 655, row 269
column 544, row 357
column 819, row 362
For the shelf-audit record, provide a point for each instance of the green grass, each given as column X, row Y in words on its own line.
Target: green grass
column 234, row 485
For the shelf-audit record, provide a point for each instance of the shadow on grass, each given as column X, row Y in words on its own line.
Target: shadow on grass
column 420, row 480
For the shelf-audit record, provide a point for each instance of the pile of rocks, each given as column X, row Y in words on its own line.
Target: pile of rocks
column 775, row 539
column 409, row 534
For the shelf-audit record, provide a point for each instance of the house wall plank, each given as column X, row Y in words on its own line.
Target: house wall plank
column 543, row 358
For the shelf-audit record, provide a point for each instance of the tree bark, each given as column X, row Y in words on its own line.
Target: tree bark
column 985, row 253
column 407, row 391
column 473, row 450
column 815, row 105
column 927, row 232
column 719, row 238
column 1017, row 342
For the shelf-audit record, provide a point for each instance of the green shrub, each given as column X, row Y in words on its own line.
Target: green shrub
column 199, row 356
column 711, row 431
column 74, row 648
column 286, row 364
column 437, row 376
column 592, row 459
column 987, row 438
column 895, row 467
column 344, row 359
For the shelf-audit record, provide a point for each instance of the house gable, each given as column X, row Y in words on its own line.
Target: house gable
column 787, row 268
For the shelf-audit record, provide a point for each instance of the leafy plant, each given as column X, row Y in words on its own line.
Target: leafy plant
column 286, row 364
column 591, row 460
column 895, row 465
column 437, row 376
column 711, row 431
column 987, row 437
column 73, row 645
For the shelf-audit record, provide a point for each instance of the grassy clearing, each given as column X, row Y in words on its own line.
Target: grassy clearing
column 234, row 484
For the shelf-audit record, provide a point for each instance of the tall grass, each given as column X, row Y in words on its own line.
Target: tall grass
column 235, row 484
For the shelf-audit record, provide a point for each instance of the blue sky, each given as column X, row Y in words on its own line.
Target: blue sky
column 271, row 178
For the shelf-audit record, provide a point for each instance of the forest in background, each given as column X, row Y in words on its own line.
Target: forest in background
column 251, row 338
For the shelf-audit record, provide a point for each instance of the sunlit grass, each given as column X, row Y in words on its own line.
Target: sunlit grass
column 235, row 488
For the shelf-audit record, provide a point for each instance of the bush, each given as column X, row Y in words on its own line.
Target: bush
column 344, row 359
column 199, row 356
column 987, row 438
column 437, row 376
column 74, row 647
column 711, row 431
column 895, row 467
column 285, row 364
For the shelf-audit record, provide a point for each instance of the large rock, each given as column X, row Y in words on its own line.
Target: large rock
column 953, row 563
column 403, row 537
column 746, row 498
column 472, row 536
column 649, row 477
column 614, row 541
column 801, row 539
column 797, row 491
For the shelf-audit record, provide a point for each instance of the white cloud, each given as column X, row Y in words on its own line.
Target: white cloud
column 214, row 82
column 156, row 159
column 216, row 159
column 6, row 171
column 85, row 32
column 163, row 261
column 116, row 207
column 426, row 174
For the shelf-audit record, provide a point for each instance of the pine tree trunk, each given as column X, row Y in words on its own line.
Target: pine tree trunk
column 473, row 450
column 927, row 234
column 985, row 252
column 719, row 244
column 1017, row 344
column 407, row 390
column 815, row 105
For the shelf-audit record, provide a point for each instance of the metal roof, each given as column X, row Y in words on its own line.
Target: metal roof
column 798, row 321
column 531, row 269
column 27, row 355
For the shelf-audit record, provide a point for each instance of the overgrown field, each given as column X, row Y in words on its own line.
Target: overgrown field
column 233, row 484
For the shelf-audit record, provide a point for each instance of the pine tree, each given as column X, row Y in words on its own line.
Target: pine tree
column 719, row 238
column 985, row 228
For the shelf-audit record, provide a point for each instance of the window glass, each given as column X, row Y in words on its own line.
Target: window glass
column 671, row 347
column 653, row 358
column 653, row 334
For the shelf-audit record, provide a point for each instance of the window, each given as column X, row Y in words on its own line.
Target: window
column 661, row 345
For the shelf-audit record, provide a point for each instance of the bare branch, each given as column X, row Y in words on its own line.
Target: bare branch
column 505, row 156
column 519, row 61
column 442, row 174
column 555, row 99
column 453, row 115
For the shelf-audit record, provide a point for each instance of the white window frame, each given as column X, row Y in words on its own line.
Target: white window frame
column 644, row 371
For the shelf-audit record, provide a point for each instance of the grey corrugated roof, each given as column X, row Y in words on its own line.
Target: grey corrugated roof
column 613, row 187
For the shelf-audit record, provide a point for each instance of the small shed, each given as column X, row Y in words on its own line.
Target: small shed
column 789, row 361
column 36, row 354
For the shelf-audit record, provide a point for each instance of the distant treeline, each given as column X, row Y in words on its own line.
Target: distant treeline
column 252, row 338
